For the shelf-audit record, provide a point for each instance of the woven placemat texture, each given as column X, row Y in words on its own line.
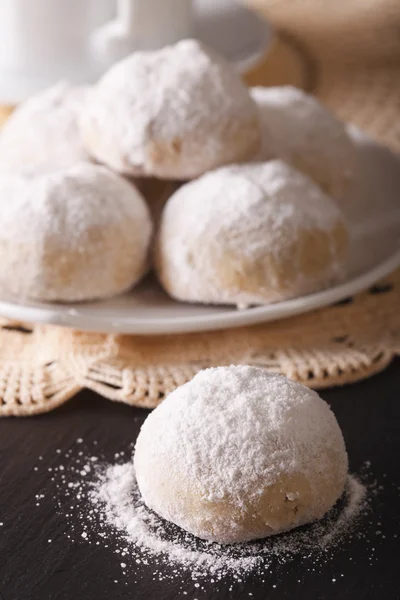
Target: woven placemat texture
column 42, row 367
column 347, row 54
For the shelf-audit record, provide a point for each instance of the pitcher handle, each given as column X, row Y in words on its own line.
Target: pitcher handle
column 127, row 14
column 142, row 25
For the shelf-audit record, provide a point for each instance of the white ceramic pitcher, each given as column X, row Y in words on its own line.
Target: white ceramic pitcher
column 42, row 41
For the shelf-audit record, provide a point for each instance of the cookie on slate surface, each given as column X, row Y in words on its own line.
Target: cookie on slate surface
column 239, row 453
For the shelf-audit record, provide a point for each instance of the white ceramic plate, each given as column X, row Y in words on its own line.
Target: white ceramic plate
column 373, row 212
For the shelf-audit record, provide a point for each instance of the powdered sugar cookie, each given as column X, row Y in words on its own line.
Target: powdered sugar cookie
column 251, row 234
column 71, row 235
column 238, row 454
column 43, row 134
column 173, row 113
column 300, row 130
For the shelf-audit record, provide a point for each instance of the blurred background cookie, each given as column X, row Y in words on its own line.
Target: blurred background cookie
column 42, row 133
column 297, row 128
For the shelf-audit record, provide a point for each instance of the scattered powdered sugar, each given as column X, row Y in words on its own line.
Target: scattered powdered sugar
column 116, row 494
column 108, row 510
column 102, row 506
column 250, row 234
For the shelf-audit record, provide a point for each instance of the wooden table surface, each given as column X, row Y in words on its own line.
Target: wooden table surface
column 31, row 568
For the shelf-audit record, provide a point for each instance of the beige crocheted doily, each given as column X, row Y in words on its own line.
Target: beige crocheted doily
column 329, row 53
column 42, row 367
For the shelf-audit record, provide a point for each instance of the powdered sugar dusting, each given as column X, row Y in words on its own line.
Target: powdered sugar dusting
column 107, row 509
column 221, row 454
column 299, row 129
column 172, row 113
column 71, row 234
column 97, row 498
column 237, row 235
column 43, row 132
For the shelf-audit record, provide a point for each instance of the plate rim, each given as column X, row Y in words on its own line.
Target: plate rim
column 202, row 323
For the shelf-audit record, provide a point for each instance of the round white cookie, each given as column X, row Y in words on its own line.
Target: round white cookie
column 70, row 235
column 173, row 113
column 251, row 234
column 238, row 454
column 297, row 128
column 43, row 133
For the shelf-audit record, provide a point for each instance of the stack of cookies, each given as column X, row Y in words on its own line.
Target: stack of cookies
column 259, row 177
